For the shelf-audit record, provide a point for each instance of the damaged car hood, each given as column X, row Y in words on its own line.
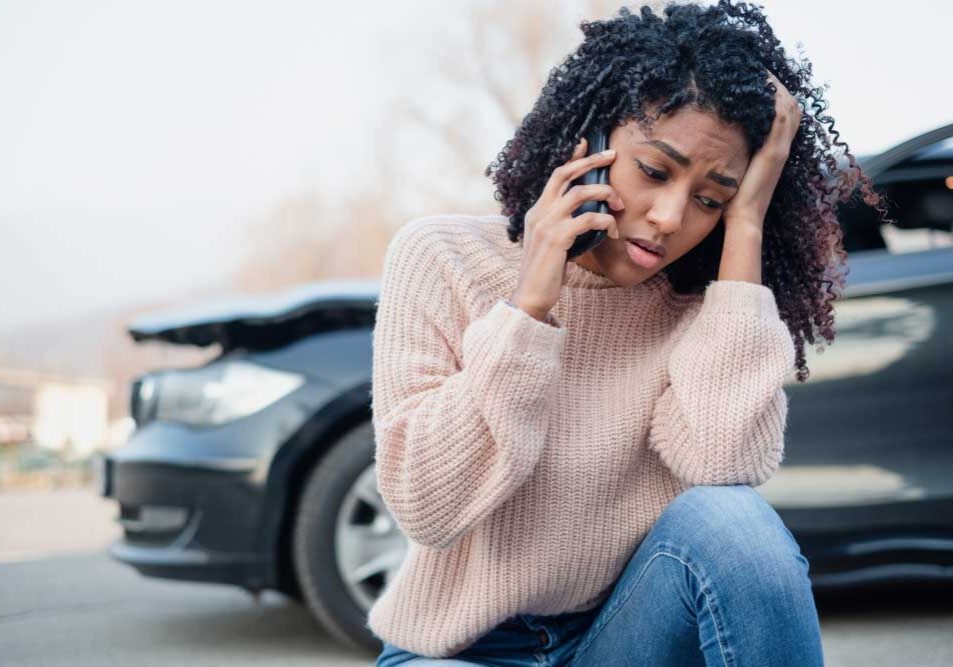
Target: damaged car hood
column 265, row 321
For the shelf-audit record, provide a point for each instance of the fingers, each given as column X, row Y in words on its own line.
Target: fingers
column 580, row 149
column 559, row 180
column 577, row 194
column 577, row 168
column 787, row 117
column 594, row 220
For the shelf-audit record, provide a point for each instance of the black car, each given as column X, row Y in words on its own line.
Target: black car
column 257, row 468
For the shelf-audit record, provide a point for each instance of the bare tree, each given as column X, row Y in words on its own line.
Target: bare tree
column 435, row 143
column 305, row 237
column 504, row 60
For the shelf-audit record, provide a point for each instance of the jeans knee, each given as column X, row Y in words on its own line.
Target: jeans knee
column 732, row 521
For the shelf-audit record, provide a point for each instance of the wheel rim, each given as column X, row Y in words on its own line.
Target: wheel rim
column 368, row 544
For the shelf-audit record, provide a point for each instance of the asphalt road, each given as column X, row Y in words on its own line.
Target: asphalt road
column 88, row 610
column 64, row 601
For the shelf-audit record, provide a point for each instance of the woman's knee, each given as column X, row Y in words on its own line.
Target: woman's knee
column 730, row 522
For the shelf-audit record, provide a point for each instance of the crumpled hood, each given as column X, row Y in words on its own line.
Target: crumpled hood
column 265, row 321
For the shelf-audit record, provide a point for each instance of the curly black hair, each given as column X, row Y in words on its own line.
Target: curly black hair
column 713, row 58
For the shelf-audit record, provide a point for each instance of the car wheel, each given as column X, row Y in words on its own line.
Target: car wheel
column 346, row 545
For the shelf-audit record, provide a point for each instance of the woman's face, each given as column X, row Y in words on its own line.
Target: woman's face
column 673, row 183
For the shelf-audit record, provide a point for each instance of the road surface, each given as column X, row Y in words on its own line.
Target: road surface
column 64, row 601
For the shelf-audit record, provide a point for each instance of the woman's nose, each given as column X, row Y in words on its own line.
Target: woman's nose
column 667, row 212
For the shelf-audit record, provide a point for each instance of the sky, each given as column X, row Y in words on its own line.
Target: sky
column 139, row 137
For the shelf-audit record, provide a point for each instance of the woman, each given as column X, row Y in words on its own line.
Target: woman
column 570, row 446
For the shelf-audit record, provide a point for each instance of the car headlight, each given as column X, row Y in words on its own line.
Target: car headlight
column 142, row 404
column 214, row 394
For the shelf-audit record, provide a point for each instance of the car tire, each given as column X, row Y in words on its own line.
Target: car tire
column 328, row 492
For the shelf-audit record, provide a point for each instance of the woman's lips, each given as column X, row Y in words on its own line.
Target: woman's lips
column 641, row 256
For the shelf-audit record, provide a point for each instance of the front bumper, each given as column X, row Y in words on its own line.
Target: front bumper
column 196, row 521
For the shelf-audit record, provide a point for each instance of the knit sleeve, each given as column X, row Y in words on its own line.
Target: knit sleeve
column 453, row 439
column 721, row 417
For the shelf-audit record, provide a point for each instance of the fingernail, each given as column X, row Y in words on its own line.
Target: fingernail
column 609, row 151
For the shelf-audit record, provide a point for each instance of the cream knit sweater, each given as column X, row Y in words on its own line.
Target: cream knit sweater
column 526, row 460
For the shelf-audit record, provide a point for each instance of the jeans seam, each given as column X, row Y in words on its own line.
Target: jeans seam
column 631, row 589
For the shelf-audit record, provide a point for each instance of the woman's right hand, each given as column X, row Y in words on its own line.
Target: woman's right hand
column 549, row 230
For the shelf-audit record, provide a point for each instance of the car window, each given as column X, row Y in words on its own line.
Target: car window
column 919, row 196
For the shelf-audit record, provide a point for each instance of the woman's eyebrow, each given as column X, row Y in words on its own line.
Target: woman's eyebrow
column 683, row 160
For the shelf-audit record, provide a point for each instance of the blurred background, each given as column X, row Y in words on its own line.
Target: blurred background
column 162, row 154
column 158, row 154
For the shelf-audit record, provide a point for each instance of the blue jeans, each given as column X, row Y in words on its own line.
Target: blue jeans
column 718, row 580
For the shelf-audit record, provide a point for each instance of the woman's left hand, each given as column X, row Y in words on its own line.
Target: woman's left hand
column 750, row 203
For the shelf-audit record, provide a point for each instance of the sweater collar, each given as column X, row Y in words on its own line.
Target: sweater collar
column 578, row 276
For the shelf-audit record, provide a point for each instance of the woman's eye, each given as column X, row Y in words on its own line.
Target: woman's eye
column 657, row 175
column 711, row 203
column 651, row 173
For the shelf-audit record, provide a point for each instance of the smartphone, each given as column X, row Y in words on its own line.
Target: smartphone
column 596, row 141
